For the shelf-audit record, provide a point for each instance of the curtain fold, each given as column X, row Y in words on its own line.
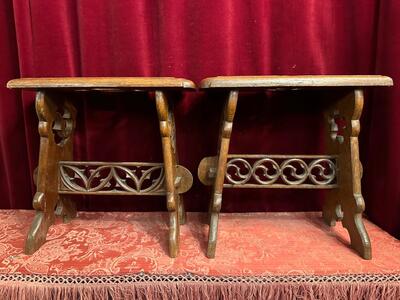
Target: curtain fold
column 198, row 39
column 381, row 144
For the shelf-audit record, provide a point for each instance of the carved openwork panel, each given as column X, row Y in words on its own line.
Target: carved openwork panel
column 337, row 126
column 281, row 171
column 63, row 124
column 111, row 178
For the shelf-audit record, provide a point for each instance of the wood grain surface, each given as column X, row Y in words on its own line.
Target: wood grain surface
column 295, row 81
column 101, row 82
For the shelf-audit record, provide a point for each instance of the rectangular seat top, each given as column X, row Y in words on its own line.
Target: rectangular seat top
column 302, row 81
column 75, row 83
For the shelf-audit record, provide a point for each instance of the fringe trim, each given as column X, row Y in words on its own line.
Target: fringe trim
column 190, row 286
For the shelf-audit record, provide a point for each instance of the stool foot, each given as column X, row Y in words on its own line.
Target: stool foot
column 182, row 211
column 353, row 222
column 37, row 233
column 173, row 234
column 212, row 235
column 209, row 213
column 215, row 208
column 66, row 209
column 332, row 212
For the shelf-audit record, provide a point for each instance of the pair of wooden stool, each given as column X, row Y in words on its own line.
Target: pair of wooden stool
column 339, row 170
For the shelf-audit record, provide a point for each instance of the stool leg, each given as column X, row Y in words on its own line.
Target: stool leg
column 167, row 136
column 181, row 206
column 348, row 194
column 216, row 200
column 56, row 125
column 331, row 211
column 66, row 208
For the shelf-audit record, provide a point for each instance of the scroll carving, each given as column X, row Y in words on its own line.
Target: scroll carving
column 265, row 171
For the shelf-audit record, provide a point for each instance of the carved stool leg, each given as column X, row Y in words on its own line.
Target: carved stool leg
column 350, row 171
column 66, row 208
column 56, row 125
column 331, row 211
column 181, row 204
column 167, row 136
column 216, row 200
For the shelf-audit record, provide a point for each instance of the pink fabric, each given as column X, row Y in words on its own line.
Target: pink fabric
column 251, row 244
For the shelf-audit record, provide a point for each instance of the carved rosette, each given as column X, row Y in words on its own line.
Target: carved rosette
column 268, row 171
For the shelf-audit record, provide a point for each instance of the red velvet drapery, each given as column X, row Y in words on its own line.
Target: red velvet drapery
column 197, row 39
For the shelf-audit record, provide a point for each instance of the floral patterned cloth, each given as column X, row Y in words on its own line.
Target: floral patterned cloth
column 109, row 243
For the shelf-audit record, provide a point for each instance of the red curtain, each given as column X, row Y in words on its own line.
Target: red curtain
column 198, row 39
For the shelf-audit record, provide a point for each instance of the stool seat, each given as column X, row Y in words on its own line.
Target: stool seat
column 142, row 83
column 303, row 81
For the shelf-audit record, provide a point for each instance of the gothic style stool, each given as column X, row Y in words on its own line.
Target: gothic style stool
column 339, row 170
column 58, row 176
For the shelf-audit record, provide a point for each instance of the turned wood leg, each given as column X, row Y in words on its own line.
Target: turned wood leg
column 348, row 196
column 167, row 139
column 223, row 148
column 56, row 125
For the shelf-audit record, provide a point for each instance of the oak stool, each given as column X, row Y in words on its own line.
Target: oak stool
column 58, row 176
column 339, row 170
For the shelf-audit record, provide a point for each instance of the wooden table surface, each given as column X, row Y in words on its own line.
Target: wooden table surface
column 102, row 82
column 295, row 81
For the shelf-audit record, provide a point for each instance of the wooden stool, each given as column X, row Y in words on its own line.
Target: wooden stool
column 339, row 170
column 58, row 176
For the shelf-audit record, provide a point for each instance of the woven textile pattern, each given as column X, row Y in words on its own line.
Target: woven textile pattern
column 253, row 244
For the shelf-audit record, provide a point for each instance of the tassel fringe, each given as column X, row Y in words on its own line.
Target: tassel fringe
column 193, row 287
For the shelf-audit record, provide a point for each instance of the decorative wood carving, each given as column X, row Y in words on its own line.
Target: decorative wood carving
column 274, row 171
column 58, row 177
column 347, row 203
column 339, row 171
column 101, row 178
column 56, row 125
column 134, row 178
column 224, row 139
column 168, row 143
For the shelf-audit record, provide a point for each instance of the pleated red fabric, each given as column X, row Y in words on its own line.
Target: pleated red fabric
column 198, row 39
